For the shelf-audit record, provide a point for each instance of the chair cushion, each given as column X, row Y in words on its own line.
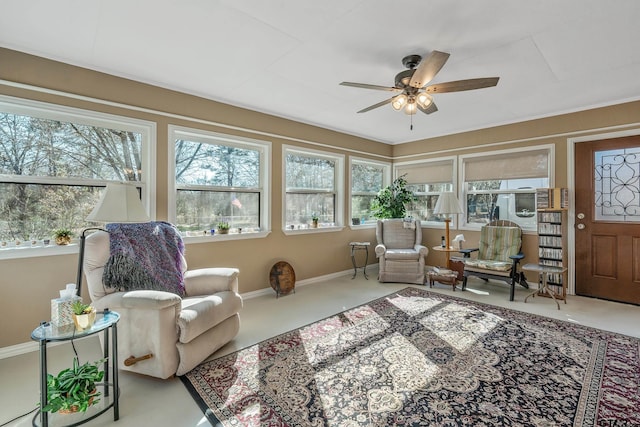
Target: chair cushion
column 396, row 236
column 200, row 314
column 402, row 254
column 499, row 243
column 488, row 264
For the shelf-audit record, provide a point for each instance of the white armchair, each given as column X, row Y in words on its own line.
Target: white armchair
column 160, row 333
column 401, row 255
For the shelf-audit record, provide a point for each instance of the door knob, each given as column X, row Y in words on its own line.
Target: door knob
column 580, row 226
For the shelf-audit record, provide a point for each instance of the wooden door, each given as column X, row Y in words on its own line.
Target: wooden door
column 607, row 222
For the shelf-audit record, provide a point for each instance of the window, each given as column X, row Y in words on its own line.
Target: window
column 54, row 162
column 218, row 179
column 502, row 185
column 367, row 179
column 313, row 187
column 427, row 180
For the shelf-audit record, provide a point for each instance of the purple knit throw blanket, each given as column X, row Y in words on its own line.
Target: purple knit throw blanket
column 145, row 256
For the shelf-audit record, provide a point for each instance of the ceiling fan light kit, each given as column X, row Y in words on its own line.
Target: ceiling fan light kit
column 412, row 84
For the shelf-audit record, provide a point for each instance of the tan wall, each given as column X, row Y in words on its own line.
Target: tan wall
column 27, row 285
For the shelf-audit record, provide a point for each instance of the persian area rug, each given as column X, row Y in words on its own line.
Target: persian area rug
column 415, row 358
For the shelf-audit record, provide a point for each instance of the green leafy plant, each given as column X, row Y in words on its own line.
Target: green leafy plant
column 74, row 389
column 62, row 232
column 390, row 202
column 79, row 308
column 223, row 225
column 314, row 217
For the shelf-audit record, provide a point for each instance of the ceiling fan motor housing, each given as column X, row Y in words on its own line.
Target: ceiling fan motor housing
column 404, row 77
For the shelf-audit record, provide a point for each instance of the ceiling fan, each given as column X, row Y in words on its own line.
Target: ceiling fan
column 414, row 94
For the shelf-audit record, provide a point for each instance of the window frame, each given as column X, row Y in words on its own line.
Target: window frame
column 397, row 171
column 50, row 111
column 338, row 191
column 386, row 180
column 462, row 194
column 210, row 137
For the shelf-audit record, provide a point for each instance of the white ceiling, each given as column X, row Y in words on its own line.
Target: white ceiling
column 287, row 57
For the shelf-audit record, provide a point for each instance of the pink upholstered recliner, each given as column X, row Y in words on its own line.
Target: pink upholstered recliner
column 178, row 332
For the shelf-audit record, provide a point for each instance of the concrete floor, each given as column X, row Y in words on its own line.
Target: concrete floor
column 148, row 401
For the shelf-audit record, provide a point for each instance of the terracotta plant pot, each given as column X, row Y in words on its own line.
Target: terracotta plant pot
column 73, row 409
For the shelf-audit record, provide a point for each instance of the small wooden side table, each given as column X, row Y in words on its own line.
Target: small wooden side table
column 446, row 278
column 447, row 251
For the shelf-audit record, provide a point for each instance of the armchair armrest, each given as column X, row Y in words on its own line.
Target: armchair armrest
column 150, row 300
column 517, row 256
column 380, row 250
column 206, row 281
column 144, row 299
column 422, row 250
column 467, row 252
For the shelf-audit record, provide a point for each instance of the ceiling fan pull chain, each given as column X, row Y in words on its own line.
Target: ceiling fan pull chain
column 411, row 127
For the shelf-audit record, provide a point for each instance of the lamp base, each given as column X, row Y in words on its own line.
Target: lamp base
column 446, row 233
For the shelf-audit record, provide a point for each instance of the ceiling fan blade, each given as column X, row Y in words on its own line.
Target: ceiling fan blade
column 379, row 104
column 428, row 68
column 430, row 109
column 460, row 85
column 368, row 86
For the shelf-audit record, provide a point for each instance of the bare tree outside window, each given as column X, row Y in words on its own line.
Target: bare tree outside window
column 47, row 168
column 366, row 180
column 310, row 188
column 216, row 183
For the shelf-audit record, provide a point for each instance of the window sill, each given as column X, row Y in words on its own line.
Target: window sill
column 225, row 237
column 28, row 251
column 328, row 229
column 363, row 226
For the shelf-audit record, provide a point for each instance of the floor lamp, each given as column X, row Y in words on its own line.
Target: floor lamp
column 120, row 202
column 447, row 204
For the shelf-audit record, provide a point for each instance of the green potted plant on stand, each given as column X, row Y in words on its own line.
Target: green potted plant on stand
column 314, row 220
column 74, row 389
column 390, row 202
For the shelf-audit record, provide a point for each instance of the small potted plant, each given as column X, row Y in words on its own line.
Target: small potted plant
column 223, row 227
column 84, row 315
column 314, row 220
column 74, row 389
column 63, row 236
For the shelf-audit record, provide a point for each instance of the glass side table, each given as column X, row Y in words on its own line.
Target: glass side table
column 105, row 321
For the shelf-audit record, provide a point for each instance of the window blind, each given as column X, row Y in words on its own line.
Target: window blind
column 527, row 164
column 427, row 173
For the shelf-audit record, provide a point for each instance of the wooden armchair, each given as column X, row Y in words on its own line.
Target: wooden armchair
column 499, row 255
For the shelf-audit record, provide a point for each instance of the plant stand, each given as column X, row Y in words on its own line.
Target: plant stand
column 45, row 333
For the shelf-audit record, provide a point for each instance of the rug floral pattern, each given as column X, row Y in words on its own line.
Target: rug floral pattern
column 415, row 358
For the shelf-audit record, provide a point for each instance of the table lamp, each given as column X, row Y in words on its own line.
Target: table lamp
column 447, row 204
column 119, row 202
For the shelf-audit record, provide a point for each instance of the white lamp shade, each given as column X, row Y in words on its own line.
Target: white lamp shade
column 447, row 204
column 119, row 203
